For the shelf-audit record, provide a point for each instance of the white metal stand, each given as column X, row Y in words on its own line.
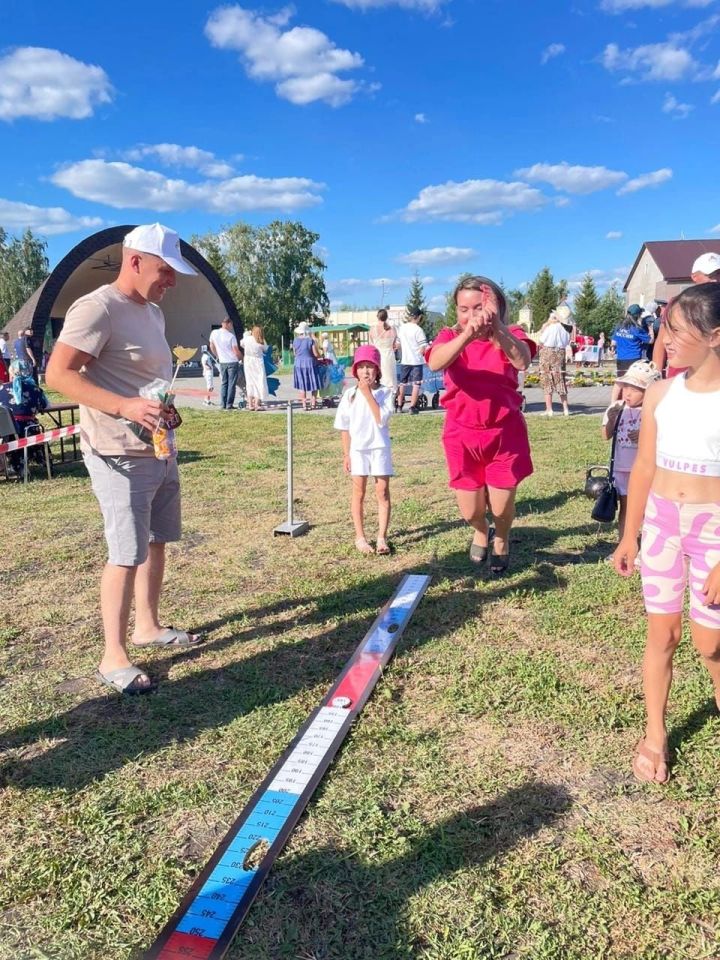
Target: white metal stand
column 291, row 527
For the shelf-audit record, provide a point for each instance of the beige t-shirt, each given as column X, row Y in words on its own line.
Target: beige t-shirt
column 127, row 342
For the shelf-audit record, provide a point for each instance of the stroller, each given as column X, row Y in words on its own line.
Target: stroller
column 432, row 383
column 332, row 377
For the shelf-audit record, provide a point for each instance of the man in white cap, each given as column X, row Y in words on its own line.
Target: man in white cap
column 111, row 346
column 706, row 269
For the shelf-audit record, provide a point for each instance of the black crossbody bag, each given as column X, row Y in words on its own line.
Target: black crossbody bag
column 606, row 504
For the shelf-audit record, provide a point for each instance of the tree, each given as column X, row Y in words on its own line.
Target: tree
column 586, row 301
column 416, row 296
column 273, row 274
column 515, row 303
column 544, row 295
column 23, row 267
column 606, row 315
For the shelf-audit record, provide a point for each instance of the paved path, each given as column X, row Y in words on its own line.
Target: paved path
column 190, row 392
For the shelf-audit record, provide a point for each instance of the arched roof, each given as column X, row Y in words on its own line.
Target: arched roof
column 191, row 308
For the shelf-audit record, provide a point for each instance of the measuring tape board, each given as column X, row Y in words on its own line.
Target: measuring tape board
column 209, row 916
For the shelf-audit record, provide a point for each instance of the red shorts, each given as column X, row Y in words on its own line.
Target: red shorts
column 497, row 457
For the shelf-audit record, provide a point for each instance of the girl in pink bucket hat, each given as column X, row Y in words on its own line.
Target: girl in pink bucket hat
column 624, row 416
column 363, row 416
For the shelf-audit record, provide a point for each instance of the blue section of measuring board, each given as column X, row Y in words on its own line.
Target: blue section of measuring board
column 224, row 889
column 396, row 616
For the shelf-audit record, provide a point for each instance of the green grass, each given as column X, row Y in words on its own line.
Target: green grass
column 482, row 806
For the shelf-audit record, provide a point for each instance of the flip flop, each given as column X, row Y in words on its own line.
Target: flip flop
column 125, row 680
column 382, row 549
column 171, row 637
column 655, row 758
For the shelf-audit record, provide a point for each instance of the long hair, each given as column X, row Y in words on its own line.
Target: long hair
column 382, row 316
column 258, row 334
column 477, row 283
column 700, row 305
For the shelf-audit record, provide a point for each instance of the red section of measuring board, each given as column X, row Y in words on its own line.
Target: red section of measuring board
column 357, row 678
column 185, row 946
column 209, row 916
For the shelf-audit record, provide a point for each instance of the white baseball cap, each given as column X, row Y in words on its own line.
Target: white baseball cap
column 161, row 242
column 707, row 263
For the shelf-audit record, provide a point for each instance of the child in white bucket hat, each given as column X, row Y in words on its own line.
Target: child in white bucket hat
column 628, row 410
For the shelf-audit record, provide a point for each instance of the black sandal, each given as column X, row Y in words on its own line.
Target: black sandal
column 478, row 554
column 499, row 562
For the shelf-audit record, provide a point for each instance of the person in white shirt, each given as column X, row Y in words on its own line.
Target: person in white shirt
column 412, row 346
column 207, row 363
column 363, row 416
column 552, row 341
column 224, row 347
column 253, row 346
column 4, row 346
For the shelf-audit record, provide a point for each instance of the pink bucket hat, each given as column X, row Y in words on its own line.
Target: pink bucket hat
column 368, row 354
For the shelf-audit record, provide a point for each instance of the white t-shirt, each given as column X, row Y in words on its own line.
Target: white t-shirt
column 4, row 348
column 412, row 343
column 224, row 341
column 354, row 415
column 555, row 336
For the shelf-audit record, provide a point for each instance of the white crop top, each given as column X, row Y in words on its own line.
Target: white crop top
column 688, row 430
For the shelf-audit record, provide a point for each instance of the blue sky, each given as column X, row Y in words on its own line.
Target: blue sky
column 437, row 135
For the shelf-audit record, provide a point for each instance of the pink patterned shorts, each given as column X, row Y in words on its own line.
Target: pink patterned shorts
column 680, row 544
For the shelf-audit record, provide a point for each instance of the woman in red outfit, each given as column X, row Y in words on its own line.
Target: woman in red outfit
column 485, row 436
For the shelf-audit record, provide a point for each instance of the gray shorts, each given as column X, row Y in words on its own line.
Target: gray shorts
column 140, row 502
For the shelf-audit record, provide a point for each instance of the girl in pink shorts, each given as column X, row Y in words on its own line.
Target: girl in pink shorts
column 485, row 437
column 674, row 493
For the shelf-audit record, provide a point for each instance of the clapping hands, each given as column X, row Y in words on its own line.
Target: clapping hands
column 484, row 321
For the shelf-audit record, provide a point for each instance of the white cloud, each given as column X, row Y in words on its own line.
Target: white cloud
column 425, row 6
column 46, row 84
column 672, row 105
column 420, row 118
column 126, row 187
column 436, row 255
column 553, row 50
column 387, row 283
column 173, row 155
column 715, row 97
column 46, row 220
column 651, row 61
column 302, row 61
column 602, row 278
column 620, row 6
column 572, row 178
column 485, row 202
column 653, row 179
column 613, row 235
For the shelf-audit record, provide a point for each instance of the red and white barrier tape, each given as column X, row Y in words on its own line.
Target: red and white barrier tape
column 40, row 438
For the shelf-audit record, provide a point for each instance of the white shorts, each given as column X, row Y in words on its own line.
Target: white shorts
column 208, row 379
column 371, row 463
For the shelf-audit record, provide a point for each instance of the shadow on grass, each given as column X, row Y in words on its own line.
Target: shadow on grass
column 692, row 725
column 328, row 904
column 103, row 733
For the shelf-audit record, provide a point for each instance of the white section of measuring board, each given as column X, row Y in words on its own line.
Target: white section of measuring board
column 297, row 771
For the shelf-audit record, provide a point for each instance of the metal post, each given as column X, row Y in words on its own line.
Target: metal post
column 291, row 527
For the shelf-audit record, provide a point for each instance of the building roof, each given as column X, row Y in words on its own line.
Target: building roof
column 93, row 262
column 340, row 328
column 674, row 258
